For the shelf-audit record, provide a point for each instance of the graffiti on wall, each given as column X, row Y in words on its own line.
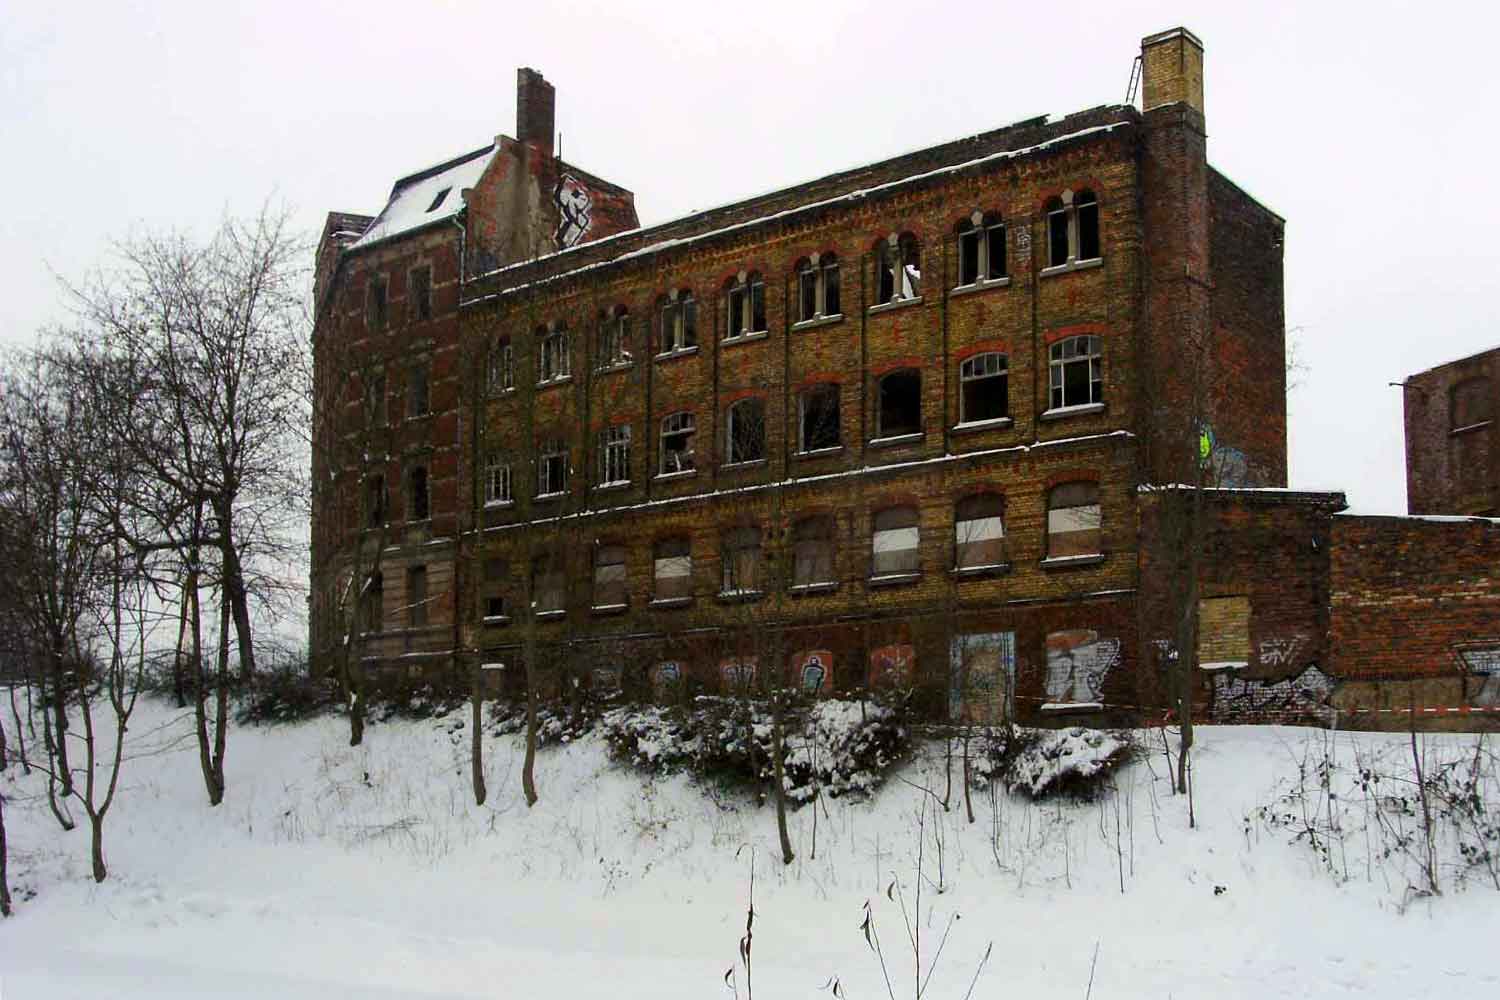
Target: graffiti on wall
column 982, row 677
column 1078, row 660
column 1275, row 652
column 1306, row 695
column 1226, row 466
column 606, row 681
column 1484, row 663
column 737, row 675
column 575, row 211
column 890, row 666
column 665, row 677
column 813, row 670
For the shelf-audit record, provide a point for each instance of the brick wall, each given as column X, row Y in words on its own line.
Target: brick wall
column 1453, row 437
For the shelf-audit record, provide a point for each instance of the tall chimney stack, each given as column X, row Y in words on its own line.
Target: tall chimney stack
column 535, row 109
column 1172, row 69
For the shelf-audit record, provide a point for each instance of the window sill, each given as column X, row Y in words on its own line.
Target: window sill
column 680, row 474
column 1061, row 707
column 745, row 338
column 1072, row 265
column 670, row 602
column 817, row 321
column 609, row 609
column 915, row 300
column 412, row 418
column 893, row 579
column 981, row 286
column 1068, row 562
column 1470, row 427
column 752, row 463
column 810, row 589
column 497, row 620
column 894, row 441
column 546, row 616
column 549, row 383
column 681, row 352
column 614, row 484
column 419, row 522
column 619, row 366
column 739, row 596
column 552, row 496
column 832, row 449
column 499, row 504
column 509, row 390
column 993, row 569
column 1079, row 410
column 975, row 426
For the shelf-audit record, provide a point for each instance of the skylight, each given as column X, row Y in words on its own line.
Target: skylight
column 438, row 200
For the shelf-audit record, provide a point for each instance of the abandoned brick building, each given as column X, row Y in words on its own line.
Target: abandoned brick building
column 907, row 422
column 1452, row 439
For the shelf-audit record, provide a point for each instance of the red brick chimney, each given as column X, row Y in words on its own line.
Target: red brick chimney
column 535, row 109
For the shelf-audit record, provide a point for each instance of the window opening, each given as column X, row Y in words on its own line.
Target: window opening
column 1076, row 372
column 1086, row 208
column 679, row 323
column 746, row 307
column 419, row 498
column 818, row 418
column 552, row 468
column 894, row 543
column 741, row 561
column 376, row 303
column 416, row 596
column 553, row 361
column 979, row 532
column 438, row 199
column 900, row 404
column 374, row 603
column 745, row 431
column 614, row 339
column 609, row 576
column 984, row 391
column 812, row 551
column 421, row 293
column 673, row 569
column 677, row 432
column 614, row 455
column 376, row 501
column 1074, row 520
column 501, row 374
column 548, row 587
column 496, row 479
column 375, row 401
column 417, row 402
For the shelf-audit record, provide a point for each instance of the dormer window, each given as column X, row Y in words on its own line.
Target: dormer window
column 438, row 199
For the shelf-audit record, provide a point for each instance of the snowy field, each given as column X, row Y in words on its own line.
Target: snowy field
column 335, row 872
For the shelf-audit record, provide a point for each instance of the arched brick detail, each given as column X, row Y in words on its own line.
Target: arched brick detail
column 897, row 365
column 1083, row 183
column 819, row 378
column 1071, row 476
column 995, row 346
column 728, row 399
column 1079, row 329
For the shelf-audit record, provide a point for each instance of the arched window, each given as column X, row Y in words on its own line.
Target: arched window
column 817, row 287
column 500, row 373
column 1076, row 372
column 1074, row 520
column 679, row 322
column 979, row 532
column 677, row 432
column 553, row 361
column 1470, row 403
column 552, row 467
column 818, row 418
column 609, row 576
column 614, row 339
column 900, row 410
column 745, row 305
column 981, row 249
column 894, row 543
column 418, row 508
column 745, row 431
column 740, row 561
column 1072, row 228
column 812, row 551
column 672, row 570
column 984, row 388
column 898, row 269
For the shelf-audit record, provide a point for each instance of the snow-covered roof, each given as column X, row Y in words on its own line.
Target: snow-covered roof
column 427, row 196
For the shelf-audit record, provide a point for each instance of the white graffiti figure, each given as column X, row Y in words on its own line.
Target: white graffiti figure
column 1304, row 696
column 1484, row 664
column 1077, row 662
column 1279, row 652
column 574, row 211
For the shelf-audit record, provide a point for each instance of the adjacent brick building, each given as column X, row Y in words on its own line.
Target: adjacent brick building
column 1453, row 439
column 891, row 423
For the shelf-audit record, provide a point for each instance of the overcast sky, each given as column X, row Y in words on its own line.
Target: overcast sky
column 1369, row 127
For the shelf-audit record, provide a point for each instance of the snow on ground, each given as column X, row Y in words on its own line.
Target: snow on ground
column 368, row 872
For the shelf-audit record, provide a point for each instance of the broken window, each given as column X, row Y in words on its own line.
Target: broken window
column 1072, row 228
column 552, row 468
column 812, row 551
column 898, row 269
column 374, row 604
column 817, row 287
column 994, row 249
column 740, row 559
column 416, row 596
column 496, row 478
column 375, row 302
column 745, row 431
column 614, row 455
column 818, row 418
column 979, row 531
column 981, row 249
column 609, row 576
column 375, row 501
column 1073, row 520
column 894, row 543
column 375, row 401
column 418, row 509
column 746, row 306
column 501, row 366
column 984, row 391
column 614, row 339
column 677, row 432
column 496, row 573
column 494, row 606
column 900, row 404
column 548, row 585
column 1086, row 212
column 1470, row 403
column 679, row 322
column 673, row 569
column 1076, row 372
column 1057, row 233
column 421, row 293
column 553, row 361
column 418, row 403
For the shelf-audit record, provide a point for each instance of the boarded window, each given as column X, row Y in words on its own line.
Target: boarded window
column 1224, row 630
column 1073, row 520
column 673, row 569
column 894, row 543
column 609, row 576
column 812, row 551
column 979, row 531
column 1471, row 402
column 740, row 557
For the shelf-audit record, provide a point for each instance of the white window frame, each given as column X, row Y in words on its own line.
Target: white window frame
column 550, row 451
column 614, row 342
column 1090, row 354
column 741, row 297
column 673, row 424
column 614, row 455
column 496, row 480
column 982, row 368
column 554, row 362
column 679, row 336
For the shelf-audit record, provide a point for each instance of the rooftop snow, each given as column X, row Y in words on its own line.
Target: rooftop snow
column 415, row 202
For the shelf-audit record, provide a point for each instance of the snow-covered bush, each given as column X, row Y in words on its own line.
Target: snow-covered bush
column 1045, row 763
column 287, row 696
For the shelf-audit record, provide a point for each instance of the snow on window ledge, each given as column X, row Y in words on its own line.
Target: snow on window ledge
column 1064, row 562
column 751, row 463
column 497, row 619
column 820, row 587
column 893, row 579
column 745, row 338
column 982, row 285
column 1470, row 427
column 881, row 307
column 609, row 609
column 679, row 474
column 552, row 496
column 680, row 352
column 613, row 484
column 1072, row 265
column 832, row 449
column 895, row 439
column 1072, row 706
column 817, row 321
column 1076, row 410
column 498, row 504
column 973, row 426
column 670, row 602
column 988, row 569
column 550, row 382
column 549, row 615
column 1219, row 665
column 743, row 594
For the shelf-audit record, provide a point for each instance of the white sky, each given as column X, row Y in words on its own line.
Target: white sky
column 1368, row 126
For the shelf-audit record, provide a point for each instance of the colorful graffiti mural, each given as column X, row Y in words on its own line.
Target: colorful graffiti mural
column 1078, row 660
column 813, row 670
column 665, row 678
column 982, row 677
column 575, row 211
column 737, row 675
column 891, row 666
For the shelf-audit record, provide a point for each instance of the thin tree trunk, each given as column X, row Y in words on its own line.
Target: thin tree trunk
column 476, row 738
column 778, row 733
column 200, row 692
column 55, row 762
column 221, row 702
column 528, row 766
column 968, row 796
column 15, row 714
column 59, row 746
column 5, row 909
column 238, row 601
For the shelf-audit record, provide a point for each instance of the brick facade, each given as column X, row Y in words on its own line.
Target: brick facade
column 1453, row 437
